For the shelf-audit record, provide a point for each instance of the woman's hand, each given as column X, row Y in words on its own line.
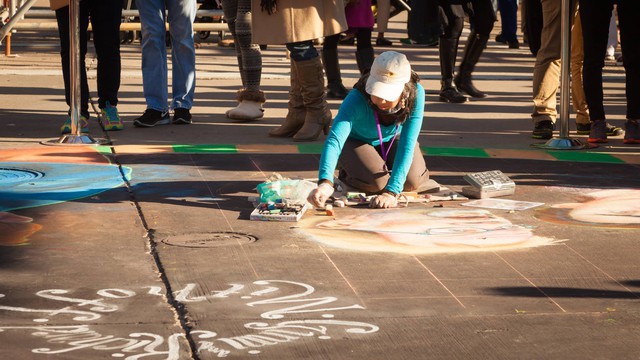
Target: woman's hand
column 320, row 195
column 384, row 201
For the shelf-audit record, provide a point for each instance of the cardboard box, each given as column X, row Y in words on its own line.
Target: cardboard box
column 259, row 213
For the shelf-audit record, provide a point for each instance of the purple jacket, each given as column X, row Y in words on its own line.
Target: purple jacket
column 359, row 14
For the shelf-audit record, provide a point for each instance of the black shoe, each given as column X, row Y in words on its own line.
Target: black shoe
column 514, row 44
column 336, row 91
column 151, row 118
column 181, row 116
column 500, row 39
column 452, row 95
column 543, row 130
column 383, row 42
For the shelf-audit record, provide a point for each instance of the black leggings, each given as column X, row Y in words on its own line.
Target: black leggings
column 595, row 15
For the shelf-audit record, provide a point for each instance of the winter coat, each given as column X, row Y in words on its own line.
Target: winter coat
column 359, row 14
column 297, row 20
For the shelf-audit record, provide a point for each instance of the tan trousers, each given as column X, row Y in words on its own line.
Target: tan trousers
column 579, row 101
column 546, row 71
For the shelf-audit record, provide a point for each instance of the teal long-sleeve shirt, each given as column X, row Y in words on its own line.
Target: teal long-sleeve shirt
column 356, row 120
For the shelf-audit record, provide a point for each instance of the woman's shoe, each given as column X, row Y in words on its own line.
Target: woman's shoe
column 383, row 42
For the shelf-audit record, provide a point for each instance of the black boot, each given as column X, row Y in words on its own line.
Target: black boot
column 364, row 59
column 335, row 89
column 472, row 52
column 448, row 92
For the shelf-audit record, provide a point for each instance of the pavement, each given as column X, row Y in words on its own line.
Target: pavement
column 144, row 247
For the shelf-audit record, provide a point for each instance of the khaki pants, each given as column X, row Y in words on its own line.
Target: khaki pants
column 546, row 71
column 579, row 101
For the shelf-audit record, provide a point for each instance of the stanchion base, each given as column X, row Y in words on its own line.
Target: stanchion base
column 70, row 139
column 565, row 144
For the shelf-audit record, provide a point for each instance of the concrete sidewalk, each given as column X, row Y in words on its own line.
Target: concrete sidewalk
column 144, row 248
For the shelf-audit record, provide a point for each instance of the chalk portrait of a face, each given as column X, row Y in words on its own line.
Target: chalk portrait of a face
column 619, row 208
column 422, row 231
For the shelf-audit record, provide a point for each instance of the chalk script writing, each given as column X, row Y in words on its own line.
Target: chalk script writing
column 144, row 345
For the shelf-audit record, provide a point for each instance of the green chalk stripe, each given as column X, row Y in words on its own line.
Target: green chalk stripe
column 459, row 152
column 104, row 149
column 310, row 148
column 585, row 157
column 211, row 148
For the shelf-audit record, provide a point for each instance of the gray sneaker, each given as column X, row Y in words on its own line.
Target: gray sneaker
column 598, row 132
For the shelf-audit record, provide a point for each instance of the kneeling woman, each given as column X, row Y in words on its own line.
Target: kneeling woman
column 373, row 139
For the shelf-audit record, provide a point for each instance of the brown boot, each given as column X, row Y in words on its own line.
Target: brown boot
column 297, row 112
column 318, row 117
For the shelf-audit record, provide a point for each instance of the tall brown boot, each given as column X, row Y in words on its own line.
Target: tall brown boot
column 297, row 111
column 318, row 117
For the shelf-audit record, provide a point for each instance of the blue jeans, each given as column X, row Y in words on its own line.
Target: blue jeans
column 509, row 16
column 181, row 14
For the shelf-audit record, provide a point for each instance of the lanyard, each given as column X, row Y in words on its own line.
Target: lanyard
column 385, row 153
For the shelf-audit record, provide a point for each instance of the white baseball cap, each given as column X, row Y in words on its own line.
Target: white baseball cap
column 389, row 73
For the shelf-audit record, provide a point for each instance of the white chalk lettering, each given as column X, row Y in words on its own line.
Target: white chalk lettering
column 135, row 346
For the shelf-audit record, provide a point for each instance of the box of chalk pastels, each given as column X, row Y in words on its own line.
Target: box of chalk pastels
column 279, row 211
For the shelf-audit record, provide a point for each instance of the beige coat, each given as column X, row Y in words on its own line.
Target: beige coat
column 297, row 20
column 57, row 4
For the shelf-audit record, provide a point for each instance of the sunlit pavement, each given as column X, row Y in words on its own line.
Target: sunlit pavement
column 143, row 248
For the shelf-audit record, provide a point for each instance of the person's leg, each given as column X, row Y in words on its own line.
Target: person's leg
column 308, row 68
column 594, row 16
column 546, row 71
column 181, row 15
column 484, row 18
column 331, row 64
column 583, row 125
column 628, row 15
column 362, row 167
column 364, row 50
column 250, row 97
column 154, row 53
column 509, row 18
column 106, row 17
column 382, row 21
column 418, row 173
column 452, row 17
column 62, row 18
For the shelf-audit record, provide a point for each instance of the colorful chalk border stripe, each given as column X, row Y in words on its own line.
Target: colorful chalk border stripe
column 533, row 154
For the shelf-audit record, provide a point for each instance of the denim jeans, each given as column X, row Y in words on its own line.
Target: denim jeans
column 181, row 14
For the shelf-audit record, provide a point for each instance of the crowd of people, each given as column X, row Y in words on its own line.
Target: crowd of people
column 372, row 142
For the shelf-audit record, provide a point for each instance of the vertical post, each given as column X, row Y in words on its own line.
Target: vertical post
column 74, row 65
column 565, row 68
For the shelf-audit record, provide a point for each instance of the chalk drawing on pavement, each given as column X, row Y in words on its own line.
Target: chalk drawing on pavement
column 28, row 184
column 288, row 312
column 619, row 208
column 422, row 231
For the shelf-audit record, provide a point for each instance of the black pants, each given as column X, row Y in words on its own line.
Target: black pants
column 595, row 15
column 453, row 12
column 105, row 21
